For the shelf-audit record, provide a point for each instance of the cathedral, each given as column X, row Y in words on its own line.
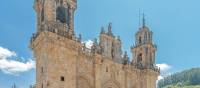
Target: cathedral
column 64, row 61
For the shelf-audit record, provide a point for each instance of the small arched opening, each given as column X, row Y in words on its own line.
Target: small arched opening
column 62, row 14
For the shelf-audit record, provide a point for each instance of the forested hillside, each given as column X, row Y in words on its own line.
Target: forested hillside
column 185, row 79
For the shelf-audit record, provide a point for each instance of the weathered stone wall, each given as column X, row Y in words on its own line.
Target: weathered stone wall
column 58, row 57
column 100, row 72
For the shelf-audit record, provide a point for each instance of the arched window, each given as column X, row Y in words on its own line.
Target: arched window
column 145, row 37
column 62, row 78
column 42, row 85
column 140, row 39
column 106, row 69
column 42, row 12
column 84, row 83
column 42, row 15
column 62, row 14
column 42, row 70
column 139, row 57
column 111, row 84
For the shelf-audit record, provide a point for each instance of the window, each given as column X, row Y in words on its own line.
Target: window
column 42, row 70
column 140, row 39
column 48, row 83
column 42, row 15
column 62, row 14
column 151, row 58
column 140, row 57
column 62, row 78
column 145, row 37
column 102, row 61
column 106, row 69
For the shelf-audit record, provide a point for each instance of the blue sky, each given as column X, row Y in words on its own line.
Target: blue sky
column 175, row 24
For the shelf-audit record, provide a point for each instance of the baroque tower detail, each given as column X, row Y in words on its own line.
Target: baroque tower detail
column 144, row 49
column 64, row 61
column 111, row 45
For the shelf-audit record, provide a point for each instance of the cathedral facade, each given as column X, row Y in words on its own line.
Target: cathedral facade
column 63, row 61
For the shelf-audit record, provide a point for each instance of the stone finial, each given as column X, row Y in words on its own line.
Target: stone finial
column 125, row 54
column 110, row 29
column 80, row 38
column 14, row 86
column 143, row 20
column 125, row 57
column 118, row 38
column 84, row 45
column 102, row 30
column 94, row 46
column 95, row 41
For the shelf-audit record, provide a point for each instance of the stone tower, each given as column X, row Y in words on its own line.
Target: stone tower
column 144, row 56
column 54, row 45
column 51, row 12
column 111, row 45
column 144, row 50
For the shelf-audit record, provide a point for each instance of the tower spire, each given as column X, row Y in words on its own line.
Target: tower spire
column 14, row 86
column 143, row 20
column 110, row 29
column 102, row 30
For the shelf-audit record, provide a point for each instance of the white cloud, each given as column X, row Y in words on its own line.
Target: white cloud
column 16, row 67
column 160, row 77
column 5, row 53
column 13, row 67
column 164, row 67
column 88, row 44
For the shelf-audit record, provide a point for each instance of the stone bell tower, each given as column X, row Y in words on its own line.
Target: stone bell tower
column 55, row 45
column 111, row 45
column 144, row 49
column 144, row 57
column 51, row 12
